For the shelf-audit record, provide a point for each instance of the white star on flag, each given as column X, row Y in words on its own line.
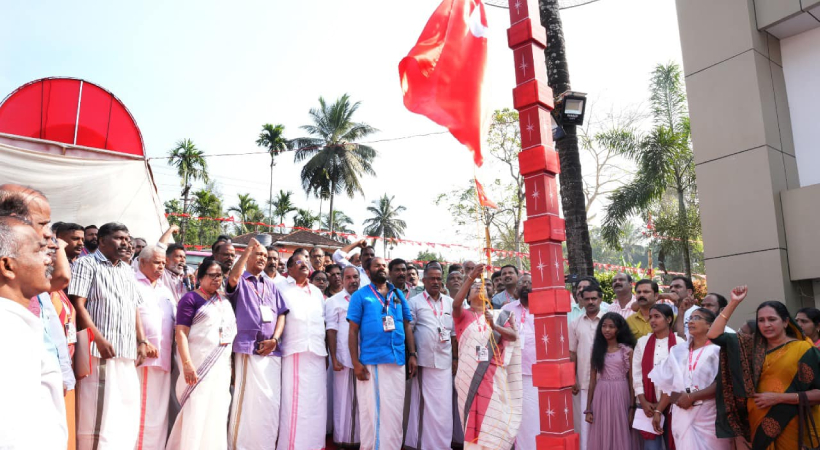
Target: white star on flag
column 517, row 6
column 561, row 337
column 566, row 412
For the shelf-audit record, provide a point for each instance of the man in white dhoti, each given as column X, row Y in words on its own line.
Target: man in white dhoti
column 303, row 416
column 346, row 421
column 260, row 321
column 106, row 295
column 430, row 424
column 581, row 337
column 380, row 311
column 157, row 315
column 525, row 323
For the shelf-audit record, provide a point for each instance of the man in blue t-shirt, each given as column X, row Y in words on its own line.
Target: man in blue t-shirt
column 380, row 320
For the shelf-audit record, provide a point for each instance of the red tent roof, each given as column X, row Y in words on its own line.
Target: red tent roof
column 71, row 111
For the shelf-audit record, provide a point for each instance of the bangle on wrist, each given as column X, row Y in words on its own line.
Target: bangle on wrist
column 656, row 411
column 726, row 318
column 589, row 411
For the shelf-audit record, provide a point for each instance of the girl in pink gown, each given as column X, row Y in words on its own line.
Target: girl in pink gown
column 609, row 406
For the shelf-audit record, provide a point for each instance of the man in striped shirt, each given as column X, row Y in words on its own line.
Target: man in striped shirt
column 105, row 292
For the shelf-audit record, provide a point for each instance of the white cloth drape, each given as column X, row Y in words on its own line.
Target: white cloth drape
column 254, row 420
column 108, row 399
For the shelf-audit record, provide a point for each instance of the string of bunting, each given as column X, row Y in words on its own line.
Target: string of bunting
column 354, row 236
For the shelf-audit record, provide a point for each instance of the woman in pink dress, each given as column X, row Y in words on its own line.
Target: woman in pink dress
column 488, row 381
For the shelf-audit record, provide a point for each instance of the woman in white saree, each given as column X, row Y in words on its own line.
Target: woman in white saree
column 206, row 326
column 688, row 377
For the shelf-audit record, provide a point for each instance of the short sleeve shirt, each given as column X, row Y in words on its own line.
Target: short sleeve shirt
column 430, row 318
column 336, row 319
column 255, row 299
column 113, row 299
column 367, row 309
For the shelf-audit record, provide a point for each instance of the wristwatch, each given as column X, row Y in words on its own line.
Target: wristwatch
column 414, row 354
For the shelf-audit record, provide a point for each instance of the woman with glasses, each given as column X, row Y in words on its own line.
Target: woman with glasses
column 687, row 376
column 205, row 329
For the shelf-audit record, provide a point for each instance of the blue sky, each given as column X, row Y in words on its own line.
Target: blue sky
column 216, row 71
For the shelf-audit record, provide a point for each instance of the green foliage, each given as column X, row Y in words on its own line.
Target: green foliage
column 385, row 220
column 341, row 223
column 605, row 278
column 335, row 163
column 665, row 168
column 248, row 211
column 272, row 138
column 305, row 218
column 283, row 205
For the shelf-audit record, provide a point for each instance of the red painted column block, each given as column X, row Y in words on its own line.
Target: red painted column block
column 544, row 230
column 536, row 126
column 536, row 186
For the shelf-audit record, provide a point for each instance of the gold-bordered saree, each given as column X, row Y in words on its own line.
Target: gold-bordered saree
column 748, row 367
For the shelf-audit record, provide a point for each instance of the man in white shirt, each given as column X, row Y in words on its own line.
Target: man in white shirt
column 430, row 424
column 622, row 286
column 304, row 361
column 581, row 337
column 33, row 412
column 681, row 293
column 525, row 322
column 272, row 266
column 157, row 315
column 342, row 258
column 345, row 411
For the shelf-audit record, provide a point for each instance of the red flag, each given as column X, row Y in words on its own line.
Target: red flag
column 443, row 74
column 482, row 197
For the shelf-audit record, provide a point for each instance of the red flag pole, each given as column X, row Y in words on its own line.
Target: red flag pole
column 553, row 373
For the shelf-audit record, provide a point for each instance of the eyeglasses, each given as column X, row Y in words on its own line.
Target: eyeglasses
column 696, row 318
column 215, row 276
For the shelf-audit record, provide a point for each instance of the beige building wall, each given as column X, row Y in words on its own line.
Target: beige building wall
column 743, row 147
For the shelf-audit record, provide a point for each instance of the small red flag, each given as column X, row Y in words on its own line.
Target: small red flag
column 482, row 196
column 442, row 76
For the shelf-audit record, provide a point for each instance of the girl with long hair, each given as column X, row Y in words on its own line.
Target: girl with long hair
column 763, row 377
column 650, row 351
column 610, row 391
column 687, row 376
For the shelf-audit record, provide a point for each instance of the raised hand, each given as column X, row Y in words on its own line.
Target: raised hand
column 739, row 293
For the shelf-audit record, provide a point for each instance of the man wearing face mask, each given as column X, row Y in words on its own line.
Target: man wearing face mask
column 107, row 298
column 303, row 417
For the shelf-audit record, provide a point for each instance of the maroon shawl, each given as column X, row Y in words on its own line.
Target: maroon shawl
column 647, row 364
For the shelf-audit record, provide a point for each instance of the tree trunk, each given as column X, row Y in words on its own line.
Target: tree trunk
column 687, row 263
column 270, row 200
column 184, row 227
column 571, row 182
column 330, row 214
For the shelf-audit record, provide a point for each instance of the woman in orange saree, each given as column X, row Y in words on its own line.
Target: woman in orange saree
column 760, row 377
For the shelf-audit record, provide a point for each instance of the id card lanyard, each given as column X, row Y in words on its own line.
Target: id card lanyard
column 387, row 320
column 443, row 332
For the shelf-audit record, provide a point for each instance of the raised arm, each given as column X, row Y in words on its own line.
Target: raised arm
column 340, row 256
column 239, row 268
column 719, row 325
column 461, row 295
column 165, row 239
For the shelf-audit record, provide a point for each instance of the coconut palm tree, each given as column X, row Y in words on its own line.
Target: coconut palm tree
column 283, row 205
column 665, row 163
column 273, row 139
column 191, row 166
column 305, row 218
column 341, row 223
column 248, row 211
column 208, row 204
column 385, row 221
column 335, row 162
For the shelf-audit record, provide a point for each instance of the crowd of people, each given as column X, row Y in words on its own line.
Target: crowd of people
column 112, row 344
